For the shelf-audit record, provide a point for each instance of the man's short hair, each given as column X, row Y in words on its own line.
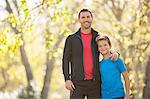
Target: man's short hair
column 84, row 10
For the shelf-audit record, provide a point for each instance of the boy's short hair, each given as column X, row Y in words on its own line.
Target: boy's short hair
column 84, row 10
column 103, row 37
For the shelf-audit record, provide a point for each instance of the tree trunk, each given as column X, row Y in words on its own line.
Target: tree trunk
column 26, row 64
column 29, row 89
column 49, row 69
column 146, row 90
column 47, row 78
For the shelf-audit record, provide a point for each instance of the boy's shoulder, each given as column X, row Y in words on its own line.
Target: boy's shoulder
column 119, row 60
column 105, row 60
column 110, row 60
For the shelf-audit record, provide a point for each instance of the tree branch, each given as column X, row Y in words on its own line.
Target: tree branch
column 8, row 8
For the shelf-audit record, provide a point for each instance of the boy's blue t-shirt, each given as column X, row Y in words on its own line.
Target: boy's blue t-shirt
column 112, row 85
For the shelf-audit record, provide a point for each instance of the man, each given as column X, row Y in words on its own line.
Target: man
column 80, row 60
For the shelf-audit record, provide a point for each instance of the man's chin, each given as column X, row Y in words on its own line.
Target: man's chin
column 87, row 27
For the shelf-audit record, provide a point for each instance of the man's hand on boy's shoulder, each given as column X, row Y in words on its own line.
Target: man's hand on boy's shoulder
column 114, row 56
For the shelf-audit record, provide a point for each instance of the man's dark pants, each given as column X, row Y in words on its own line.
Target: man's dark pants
column 89, row 88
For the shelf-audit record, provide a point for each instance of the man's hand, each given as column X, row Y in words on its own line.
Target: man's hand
column 114, row 56
column 69, row 85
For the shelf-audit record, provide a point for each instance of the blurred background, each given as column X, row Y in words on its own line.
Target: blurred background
column 33, row 33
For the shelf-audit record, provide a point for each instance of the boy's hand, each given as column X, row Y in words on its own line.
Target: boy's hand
column 127, row 96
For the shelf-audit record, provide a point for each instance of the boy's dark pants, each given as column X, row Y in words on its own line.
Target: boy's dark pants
column 89, row 88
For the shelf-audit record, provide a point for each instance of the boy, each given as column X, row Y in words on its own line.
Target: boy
column 112, row 87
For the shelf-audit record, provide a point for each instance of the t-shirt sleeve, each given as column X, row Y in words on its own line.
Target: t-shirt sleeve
column 121, row 65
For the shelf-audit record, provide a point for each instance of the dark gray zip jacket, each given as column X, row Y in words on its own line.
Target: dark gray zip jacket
column 73, row 57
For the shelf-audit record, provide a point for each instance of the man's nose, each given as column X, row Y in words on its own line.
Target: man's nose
column 86, row 18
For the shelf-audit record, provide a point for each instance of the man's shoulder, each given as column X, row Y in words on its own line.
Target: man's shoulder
column 73, row 34
column 94, row 32
column 70, row 36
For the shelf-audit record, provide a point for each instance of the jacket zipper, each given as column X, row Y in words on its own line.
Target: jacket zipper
column 93, row 55
column 83, row 54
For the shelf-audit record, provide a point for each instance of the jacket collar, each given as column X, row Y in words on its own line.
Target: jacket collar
column 94, row 33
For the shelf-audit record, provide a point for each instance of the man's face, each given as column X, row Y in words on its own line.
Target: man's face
column 85, row 19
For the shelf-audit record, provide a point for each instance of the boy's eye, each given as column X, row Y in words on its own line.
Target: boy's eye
column 100, row 46
column 105, row 44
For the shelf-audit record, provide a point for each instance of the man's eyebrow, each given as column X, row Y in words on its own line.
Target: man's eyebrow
column 82, row 16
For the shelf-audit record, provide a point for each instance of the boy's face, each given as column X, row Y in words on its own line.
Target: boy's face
column 103, row 47
column 85, row 19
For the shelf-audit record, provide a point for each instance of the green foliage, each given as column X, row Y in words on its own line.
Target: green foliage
column 58, row 26
column 9, row 42
column 51, row 2
column 3, row 42
column 58, row 1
